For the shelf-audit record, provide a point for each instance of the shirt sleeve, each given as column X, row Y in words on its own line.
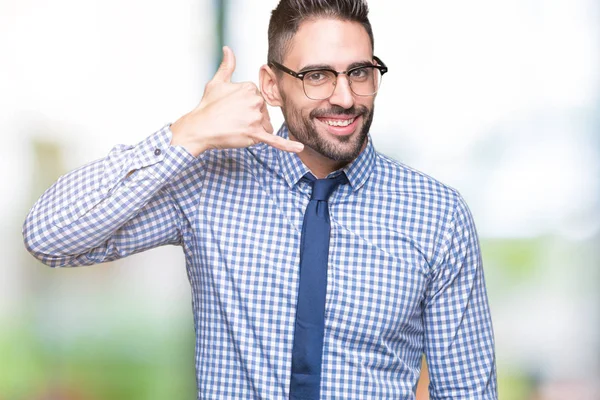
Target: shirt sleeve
column 459, row 340
column 110, row 208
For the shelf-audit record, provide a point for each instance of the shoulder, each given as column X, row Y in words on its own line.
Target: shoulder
column 425, row 196
column 412, row 184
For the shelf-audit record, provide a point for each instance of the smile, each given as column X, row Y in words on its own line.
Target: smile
column 338, row 122
column 340, row 125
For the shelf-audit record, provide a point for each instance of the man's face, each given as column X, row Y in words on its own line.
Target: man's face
column 337, row 127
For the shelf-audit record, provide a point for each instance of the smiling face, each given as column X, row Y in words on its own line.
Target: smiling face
column 334, row 131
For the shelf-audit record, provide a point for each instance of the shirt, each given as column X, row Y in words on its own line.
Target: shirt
column 404, row 272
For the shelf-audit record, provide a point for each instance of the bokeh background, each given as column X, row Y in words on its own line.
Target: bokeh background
column 499, row 99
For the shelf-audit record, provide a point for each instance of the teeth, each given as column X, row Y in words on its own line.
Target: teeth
column 338, row 122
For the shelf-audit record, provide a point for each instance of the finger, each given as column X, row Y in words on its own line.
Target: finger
column 266, row 121
column 278, row 142
column 227, row 66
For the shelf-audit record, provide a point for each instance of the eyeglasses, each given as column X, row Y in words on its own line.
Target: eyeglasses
column 319, row 84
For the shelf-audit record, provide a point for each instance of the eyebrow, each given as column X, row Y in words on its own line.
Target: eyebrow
column 355, row 64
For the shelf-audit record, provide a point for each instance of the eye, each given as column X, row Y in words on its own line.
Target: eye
column 359, row 73
column 317, row 77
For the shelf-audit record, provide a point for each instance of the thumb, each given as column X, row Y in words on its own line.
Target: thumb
column 227, row 66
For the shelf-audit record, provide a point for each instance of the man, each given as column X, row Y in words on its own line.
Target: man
column 319, row 267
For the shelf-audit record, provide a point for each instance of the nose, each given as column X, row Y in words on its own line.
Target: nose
column 342, row 94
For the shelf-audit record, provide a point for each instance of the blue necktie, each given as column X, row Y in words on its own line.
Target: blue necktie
column 310, row 311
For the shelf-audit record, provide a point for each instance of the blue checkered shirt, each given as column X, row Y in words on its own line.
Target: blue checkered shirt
column 405, row 276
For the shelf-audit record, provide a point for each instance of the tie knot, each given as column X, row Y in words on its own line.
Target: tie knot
column 323, row 188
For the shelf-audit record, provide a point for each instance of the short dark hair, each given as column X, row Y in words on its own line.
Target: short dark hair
column 289, row 14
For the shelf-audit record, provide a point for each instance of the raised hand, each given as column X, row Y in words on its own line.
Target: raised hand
column 230, row 115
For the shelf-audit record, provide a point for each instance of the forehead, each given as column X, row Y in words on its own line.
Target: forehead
column 330, row 42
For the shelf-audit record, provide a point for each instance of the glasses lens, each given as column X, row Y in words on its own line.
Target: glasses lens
column 319, row 85
column 364, row 81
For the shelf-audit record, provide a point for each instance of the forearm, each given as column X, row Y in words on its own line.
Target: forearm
column 91, row 214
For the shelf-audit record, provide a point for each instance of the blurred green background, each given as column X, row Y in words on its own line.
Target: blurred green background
column 499, row 99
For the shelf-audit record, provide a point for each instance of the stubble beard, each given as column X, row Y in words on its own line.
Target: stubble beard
column 342, row 149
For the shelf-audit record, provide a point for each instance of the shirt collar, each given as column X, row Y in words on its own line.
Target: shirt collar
column 358, row 171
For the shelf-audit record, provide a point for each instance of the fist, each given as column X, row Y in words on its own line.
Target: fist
column 230, row 115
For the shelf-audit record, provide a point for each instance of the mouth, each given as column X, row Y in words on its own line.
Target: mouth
column 340, row 125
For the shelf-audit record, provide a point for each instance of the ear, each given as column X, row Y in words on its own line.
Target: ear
column 269, row 87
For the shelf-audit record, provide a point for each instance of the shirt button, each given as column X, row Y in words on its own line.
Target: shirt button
column 157, row 152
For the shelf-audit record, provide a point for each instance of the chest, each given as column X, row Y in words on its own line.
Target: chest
column 246, row 241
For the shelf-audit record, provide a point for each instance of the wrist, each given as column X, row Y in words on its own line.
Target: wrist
column 182, row 135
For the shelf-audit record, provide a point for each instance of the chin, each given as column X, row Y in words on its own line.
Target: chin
column 340, row 148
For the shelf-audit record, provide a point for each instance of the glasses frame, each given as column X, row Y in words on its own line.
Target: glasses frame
column 300, row 75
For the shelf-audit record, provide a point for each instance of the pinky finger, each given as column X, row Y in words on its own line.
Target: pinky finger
column 278, row 142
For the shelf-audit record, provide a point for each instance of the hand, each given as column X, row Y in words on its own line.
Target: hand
column 230, row 115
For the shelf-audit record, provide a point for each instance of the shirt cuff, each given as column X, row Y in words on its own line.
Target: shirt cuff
column 159, row 158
